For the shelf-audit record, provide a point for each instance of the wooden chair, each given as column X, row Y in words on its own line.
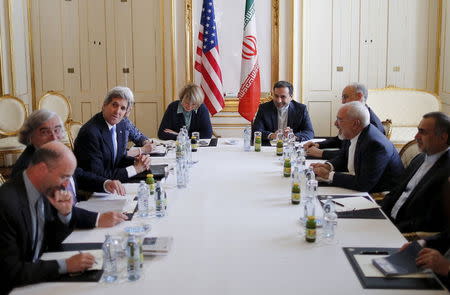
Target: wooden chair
column 387, row 125
column 58, row 103
column 13, row 113
column 2, row 179
column 73, row 127
column 408, row 152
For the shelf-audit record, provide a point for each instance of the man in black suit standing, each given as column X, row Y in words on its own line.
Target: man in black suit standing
column 416, row 203
column 36, row 215
column 43, row 126
column 352, row 92
column 100, row 146
column 283, row 114
column 369, row 163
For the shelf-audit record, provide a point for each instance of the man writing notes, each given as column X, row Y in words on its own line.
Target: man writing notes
column 100, row 146
column 416, row 203
column 283, row 114
column 36, row 215
column 352, row 92
column 44, row 126
column 370, row 163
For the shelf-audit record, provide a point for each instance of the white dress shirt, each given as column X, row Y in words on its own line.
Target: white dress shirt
column 282, row 117
column 417, row 177
column 350, row 159
column 131, row 171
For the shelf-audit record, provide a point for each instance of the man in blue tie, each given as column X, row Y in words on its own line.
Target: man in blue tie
column 36, row 215
column 100, row 146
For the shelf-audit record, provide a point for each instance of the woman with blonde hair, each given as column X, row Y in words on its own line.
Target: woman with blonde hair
column 188, row 111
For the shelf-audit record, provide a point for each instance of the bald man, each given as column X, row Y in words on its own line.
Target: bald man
column 36, row 215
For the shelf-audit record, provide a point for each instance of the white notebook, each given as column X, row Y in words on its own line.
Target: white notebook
column 98, row 254
column 353, row 203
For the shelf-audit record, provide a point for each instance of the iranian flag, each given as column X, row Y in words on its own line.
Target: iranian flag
column 250, row 90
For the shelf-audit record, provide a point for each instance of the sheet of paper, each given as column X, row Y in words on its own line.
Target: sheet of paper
column 130, row 206
column 103, row 206
column 98, row 254
column 369, row 270
column 131, row 188
column 354, row 203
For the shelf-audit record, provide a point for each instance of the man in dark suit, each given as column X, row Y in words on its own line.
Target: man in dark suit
column 352, row 92
column 100, row 146
column 283, row 114
column 43, row 126
column 370, row 163
column 36, row 215
column 416, row 203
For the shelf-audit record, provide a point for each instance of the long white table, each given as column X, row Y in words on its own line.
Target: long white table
column 235, row 232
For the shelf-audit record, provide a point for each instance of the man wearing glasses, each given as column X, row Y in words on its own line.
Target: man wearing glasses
column 352, row 92
column 44, row 126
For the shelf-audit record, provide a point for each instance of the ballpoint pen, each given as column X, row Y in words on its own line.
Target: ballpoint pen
column 339, row 204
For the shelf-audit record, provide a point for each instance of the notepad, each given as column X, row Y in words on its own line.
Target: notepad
column 157, row 245
column 98, row 255
column 103, row 206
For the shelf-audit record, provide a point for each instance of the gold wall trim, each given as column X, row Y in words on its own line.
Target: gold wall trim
column 11, row 50
column 163, row 47
column 437, row 81
column 172, row 45
column 275, row 40
column 189, row 41
column 31, row 58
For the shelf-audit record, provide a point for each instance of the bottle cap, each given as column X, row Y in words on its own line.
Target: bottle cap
column 149, row 175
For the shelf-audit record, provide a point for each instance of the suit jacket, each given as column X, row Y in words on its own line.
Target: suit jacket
column 335, row 142
column 424, row 208
column 200, row 122
column 440, row 242
column 134, row 134
column 298, row 120
column 94, row 150
column 16, row 241
column 377, row 163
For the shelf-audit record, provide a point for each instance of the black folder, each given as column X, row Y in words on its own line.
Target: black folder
column 212, row 142
column 86, row 276
column 387, row 282
column 158, row 172
column 373, row 213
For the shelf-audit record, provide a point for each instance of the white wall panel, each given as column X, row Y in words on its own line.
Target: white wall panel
column 52, row 66
column 321, row 116
column 320, row 45
column 147, row 51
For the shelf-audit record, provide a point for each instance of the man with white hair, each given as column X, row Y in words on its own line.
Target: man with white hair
column 370, row 163
column 352, row 92
column 100, row 146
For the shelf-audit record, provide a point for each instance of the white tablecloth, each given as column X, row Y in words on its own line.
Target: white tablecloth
column 235, row 232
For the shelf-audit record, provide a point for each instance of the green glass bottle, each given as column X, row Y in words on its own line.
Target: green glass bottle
column 310, row 231
column 287, row 167
column 279, row 147
column 258, row 141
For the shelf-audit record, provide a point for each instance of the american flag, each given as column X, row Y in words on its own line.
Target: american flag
column 207, row 60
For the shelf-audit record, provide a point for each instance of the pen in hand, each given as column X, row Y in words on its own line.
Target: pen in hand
column 95, row 260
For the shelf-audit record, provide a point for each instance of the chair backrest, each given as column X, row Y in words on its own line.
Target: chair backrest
column 13, row 113
column 58, row 103
column 73, row 127
column 408, row 152
column 387, row 125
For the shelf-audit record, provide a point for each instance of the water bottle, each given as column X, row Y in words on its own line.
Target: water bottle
column 247, row 138
column 181, row 183
column 134, row 258
column 329, row 219
column 308, row 199
column 109, row 261
column 160, row 201
column 143, row 199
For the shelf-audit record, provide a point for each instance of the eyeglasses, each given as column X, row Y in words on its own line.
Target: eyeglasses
column 48, row 131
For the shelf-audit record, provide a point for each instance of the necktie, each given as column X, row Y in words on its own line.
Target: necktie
column 114, row 141
column 40, row 222
column 71, row 189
